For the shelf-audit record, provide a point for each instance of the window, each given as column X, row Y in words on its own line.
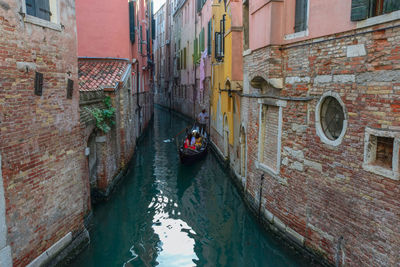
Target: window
column 301, row 15
column 38, row 8
column 44, row 13
column 141, row 40
column 363, row 9
column 381, row 152
column 246, row 25
column 209, row 30
column 184, row 58
column 201, row 44
column 331, row 119
column 220, row 41
column 269, row 136
column 132, row 21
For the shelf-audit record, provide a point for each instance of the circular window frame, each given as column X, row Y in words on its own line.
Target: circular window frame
column 320, row 132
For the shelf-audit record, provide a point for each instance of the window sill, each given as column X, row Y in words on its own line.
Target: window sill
column 379, row 19
column 382, row 171
column 42, row 22
column 296, row 35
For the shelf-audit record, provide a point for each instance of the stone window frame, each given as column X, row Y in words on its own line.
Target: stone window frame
column 318, row 126
column 54, row 22
column 369, row 156
column 301, row 34
column 384, row 18
column 277, row 103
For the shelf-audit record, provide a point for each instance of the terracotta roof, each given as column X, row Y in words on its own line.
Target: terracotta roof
column 95, row 74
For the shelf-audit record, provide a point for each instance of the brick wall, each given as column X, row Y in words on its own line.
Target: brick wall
column 41, row 144
column 323, row 196
column 113, row 150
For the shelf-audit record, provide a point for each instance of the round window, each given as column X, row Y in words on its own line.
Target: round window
column 331, row 118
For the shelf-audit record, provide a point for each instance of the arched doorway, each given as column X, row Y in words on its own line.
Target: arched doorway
column 226, row 136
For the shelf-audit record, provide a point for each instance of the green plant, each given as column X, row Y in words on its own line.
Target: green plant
column 105, row 116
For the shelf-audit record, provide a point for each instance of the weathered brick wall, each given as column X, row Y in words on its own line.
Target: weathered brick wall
column 115, row 148
column 41, row 143
column 322, row 192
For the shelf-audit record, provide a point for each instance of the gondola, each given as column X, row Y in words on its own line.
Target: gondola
column 188, row 155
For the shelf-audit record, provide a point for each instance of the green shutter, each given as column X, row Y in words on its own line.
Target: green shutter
column 43, row 9
column 30, row 7
column 141, row 40
column 132, row 21
column 202, row 40
column 184, row 58
column 359, row 9
column 153, row 29
column 391, row 5
column 300, row 23
column 195, row 51
column 209, row 38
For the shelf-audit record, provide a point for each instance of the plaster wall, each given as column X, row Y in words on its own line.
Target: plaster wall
column 325, row 18
column 103, row 28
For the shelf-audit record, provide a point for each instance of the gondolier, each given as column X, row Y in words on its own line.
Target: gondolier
column 202, row 120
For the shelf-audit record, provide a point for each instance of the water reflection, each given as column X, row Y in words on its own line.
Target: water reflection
column 167, row 214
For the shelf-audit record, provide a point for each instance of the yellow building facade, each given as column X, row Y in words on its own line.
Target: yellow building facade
column 227, row 76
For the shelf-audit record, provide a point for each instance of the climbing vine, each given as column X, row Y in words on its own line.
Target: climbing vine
column 105, row 116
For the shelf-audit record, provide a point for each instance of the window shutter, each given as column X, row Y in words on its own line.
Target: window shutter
column 391, row 5
column 141, row 39
column 195, row 53
column 30, row 7
column 301, row 15
column 202, row 40
column 184, row 58
column 132, row 21
column 209, row 38
column 153, row 29
column 359, row 9
column 43, row 9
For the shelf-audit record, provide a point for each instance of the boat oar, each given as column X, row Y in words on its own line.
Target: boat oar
column 170, row 140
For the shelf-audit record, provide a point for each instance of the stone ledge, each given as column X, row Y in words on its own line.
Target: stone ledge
column 50, row 253
column 5, row 257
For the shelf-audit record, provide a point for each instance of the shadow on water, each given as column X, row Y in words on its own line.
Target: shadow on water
column 167, row 214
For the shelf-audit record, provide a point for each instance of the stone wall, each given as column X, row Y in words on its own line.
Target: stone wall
column 329, row 195
column 46, row 192
column 112, row 150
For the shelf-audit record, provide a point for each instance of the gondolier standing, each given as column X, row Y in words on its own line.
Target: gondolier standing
column 202, row 120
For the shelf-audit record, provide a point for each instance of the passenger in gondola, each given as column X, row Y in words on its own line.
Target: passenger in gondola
column 188, row 139
column 193, row 140
column 199, row 141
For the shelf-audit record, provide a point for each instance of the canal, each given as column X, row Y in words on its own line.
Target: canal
column 167, row 214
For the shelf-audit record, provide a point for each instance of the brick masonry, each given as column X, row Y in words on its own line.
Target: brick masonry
column 322, row 195
column 113, row 150
column 41, row 146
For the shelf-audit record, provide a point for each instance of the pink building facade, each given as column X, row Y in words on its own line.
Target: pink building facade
column 115, row 40
column 187, row 74
column 321, row 125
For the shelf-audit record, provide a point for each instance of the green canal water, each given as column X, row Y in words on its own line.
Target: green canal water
column 166, row 214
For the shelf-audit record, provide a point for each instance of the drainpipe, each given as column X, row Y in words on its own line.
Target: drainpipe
column 259, row 201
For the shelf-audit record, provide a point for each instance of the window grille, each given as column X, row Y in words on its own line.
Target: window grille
column 332, row 117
